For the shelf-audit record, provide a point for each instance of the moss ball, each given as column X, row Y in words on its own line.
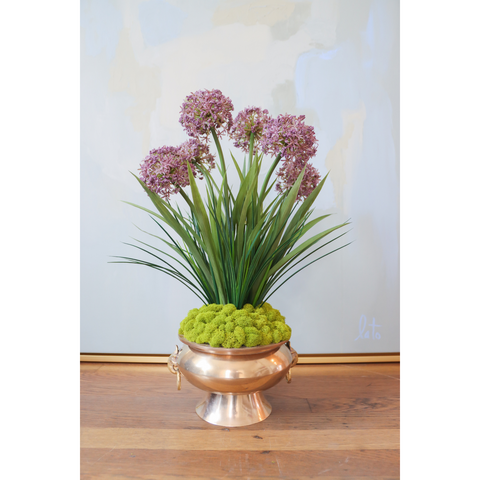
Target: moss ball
column 229, row 327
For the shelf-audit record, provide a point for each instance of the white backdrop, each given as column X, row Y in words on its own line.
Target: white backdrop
column 335, row 61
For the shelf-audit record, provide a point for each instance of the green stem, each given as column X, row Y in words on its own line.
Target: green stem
column 250, row 154
column 186, row 198
column 222, row 161
column 267, row 178
column 219, row 149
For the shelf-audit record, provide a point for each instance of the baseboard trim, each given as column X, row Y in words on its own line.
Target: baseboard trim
column 303, row 359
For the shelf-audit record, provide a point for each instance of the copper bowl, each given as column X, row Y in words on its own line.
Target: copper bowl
column 234, row 379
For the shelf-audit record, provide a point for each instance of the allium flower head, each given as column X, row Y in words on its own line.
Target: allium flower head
column 252, row 119
column 164, row 170
column 206, row 109
column 197, row 154
column 289, row 136
column 289, row 173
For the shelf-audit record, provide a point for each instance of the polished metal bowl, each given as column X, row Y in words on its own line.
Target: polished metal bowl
column 234, row 379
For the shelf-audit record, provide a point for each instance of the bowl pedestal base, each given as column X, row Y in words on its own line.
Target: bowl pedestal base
column 234, row 410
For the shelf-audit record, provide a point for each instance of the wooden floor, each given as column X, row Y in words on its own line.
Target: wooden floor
column 331, row 422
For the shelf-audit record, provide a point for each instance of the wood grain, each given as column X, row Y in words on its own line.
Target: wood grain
column 238, row 439
column 332, row 421
column 241, row 464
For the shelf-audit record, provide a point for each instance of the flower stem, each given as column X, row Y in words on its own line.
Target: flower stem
column 267, row 178
column 219, row 149
column 186, row 198
column 250, row 154
column 222, row 160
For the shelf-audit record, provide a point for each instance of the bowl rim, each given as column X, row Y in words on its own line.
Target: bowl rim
column 205, row 348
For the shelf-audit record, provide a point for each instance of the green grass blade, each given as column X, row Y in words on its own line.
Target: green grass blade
column 205, row 228
column 304, row 246
column 299, row 270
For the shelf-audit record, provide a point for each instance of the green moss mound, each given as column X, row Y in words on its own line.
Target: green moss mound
column 225, row 326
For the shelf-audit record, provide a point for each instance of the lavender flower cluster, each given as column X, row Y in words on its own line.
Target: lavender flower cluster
column 165, row 170
column 288, row 136
column 248, row 121
column 206, row 109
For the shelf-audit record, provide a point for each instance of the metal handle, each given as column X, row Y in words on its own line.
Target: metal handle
column 294, row 361
column 173, row 366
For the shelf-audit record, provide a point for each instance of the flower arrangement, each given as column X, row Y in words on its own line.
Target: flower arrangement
column 234, row 249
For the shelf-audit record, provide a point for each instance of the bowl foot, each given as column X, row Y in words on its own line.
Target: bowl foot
column 234, row 410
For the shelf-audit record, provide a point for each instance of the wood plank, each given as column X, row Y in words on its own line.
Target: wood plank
column 370, row 406
column 239, row 439
column 109, row 476
column 165, row 464
column 154, row 476
column 160, row 407
column 302, row 414
column 321, row 387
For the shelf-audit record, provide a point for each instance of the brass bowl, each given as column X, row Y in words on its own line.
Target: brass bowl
column 234, row 379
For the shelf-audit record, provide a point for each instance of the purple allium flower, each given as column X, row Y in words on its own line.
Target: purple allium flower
column 197, row 154
column 252, row 119
column 206, row 109
column 164, row 170
column 289, row 136
column 288, row 174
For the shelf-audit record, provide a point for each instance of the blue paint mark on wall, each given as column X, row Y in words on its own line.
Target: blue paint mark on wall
column 369, row 32
column 101, row 23
column 328, row 81
column 301, row 69
column 160, row 21
column 328, row 54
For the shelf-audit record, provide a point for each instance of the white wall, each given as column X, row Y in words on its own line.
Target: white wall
column 337, row 62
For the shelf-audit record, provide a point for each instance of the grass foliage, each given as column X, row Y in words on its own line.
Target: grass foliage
column 235, row 248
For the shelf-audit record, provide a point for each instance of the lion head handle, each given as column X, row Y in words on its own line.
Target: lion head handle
column 173, row 366
column 294, row 362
